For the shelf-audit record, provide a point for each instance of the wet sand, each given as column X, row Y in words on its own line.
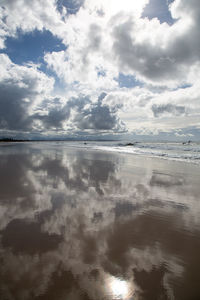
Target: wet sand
column 92, row 225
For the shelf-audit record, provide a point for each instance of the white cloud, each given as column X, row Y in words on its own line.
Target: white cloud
column 26, row 104
column 103, row 39
column 111, row 8
column 28, row 16
column 113, row 38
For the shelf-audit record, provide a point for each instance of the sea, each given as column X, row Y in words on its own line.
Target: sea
column 178, row 151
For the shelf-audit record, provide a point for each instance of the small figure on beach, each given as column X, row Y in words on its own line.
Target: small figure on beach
column 187, row 143
column 131, row 144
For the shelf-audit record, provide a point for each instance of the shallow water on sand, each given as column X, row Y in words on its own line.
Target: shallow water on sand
column 91, row 225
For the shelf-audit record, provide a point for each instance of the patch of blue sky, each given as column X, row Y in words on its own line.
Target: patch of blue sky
column 159, row 9
column 183, row 86
column 59, row 82
column 72, row 6
column 127, row 81
column 31, row 47
column 101, row 73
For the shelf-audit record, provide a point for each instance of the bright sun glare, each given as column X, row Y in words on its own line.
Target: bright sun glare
column 119, row 288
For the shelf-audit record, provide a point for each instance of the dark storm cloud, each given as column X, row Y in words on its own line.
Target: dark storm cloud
column 56, row 115
column 54, row 118
column 20, row 111
column 98, row 117
column 22, row 88
column 176, row 110
column 86, row 115
column 13, row 107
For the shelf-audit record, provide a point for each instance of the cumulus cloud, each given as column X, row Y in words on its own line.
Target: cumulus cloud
column 54, row 117
column 158, row 52
column 114, row 37
column 26, row 104
column 99, row 117
column 28, row 16
column 104, row 39
column 21, row 88
column 154, row 52
column 81, row 113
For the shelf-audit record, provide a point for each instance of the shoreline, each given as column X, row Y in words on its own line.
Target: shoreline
column 111, row 147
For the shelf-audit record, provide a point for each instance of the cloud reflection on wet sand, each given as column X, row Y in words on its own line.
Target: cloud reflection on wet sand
column 93, row 225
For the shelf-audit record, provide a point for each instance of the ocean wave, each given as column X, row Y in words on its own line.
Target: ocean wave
column 171, row 151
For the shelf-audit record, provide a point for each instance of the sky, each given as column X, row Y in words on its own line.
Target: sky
column 100, row 69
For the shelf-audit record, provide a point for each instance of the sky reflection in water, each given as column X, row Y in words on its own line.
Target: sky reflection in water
column 93, row 225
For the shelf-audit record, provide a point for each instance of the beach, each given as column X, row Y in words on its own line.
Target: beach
column 86, row 223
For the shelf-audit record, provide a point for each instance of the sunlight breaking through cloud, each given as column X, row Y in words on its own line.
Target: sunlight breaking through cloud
column 120, row 289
